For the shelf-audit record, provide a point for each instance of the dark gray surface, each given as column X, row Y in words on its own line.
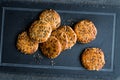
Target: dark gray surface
column 24, row 17
column 95, row 2
column 29, row 76
column 11, row 76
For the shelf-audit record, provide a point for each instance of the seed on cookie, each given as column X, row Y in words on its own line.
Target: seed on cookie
column 93, row 59
column 51, row 48
column 51, row 17
column 85, row 31
column 40, row 31
column 25, row 44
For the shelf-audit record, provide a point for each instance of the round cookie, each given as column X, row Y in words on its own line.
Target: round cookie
column 25, row 44
column 52, row 17
column 62, row 37
column 93, row 59
column 70, row 35
column 85, row 31
column 51, row 48
column 40, row 31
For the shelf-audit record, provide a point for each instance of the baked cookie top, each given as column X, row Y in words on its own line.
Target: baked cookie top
column 51, row 48
column 71, row 35
column 25, row 44
column 85, row 31
column 40, row 31
column 93, row 59
column 62, row 37
column 52, row 17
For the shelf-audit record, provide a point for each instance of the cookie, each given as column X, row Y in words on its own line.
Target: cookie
column 93, row 59
column 25, row 44
column 62, row 37
column 85, row 31
column 51, row 48
column 52, row 17
column 70, row 35
column 40, row 31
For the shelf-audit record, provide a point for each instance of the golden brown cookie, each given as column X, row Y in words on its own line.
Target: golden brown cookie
column 62, row 37
column 85, row 31
column 93, row 59
column 70, row 35
column 25, row 44
column 51, row 48
column 40, row 31
column 52, row 17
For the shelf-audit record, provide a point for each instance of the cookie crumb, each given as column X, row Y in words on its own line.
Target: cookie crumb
column 52, row 62
column 37, row 58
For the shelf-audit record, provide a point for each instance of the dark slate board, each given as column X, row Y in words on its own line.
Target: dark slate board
column 18, row 16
